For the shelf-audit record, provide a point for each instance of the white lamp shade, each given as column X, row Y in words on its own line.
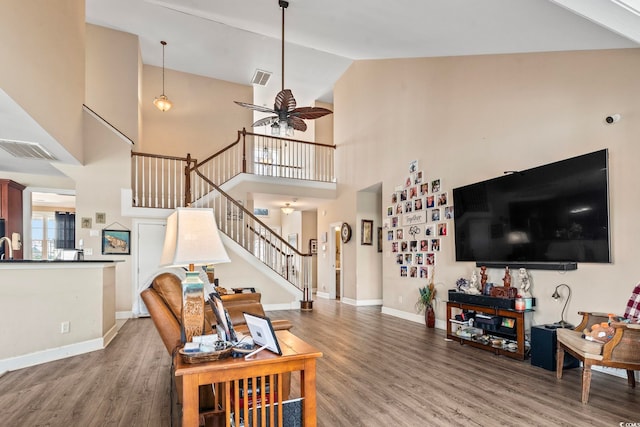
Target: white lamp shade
column 192, row 237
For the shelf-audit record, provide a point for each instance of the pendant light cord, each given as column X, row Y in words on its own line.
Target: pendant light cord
column 164, row 43
column 284, row 5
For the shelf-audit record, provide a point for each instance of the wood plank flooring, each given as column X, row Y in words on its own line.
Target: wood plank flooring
column 377, row 370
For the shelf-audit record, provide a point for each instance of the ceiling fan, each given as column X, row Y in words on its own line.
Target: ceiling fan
column 286, row 116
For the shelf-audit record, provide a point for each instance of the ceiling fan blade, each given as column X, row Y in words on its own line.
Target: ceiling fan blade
column 265, row 121
column 284, row 101
column 297, row 123
column 310, row 113
column 256, row 107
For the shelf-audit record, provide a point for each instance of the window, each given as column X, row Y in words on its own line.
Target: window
column 43, row 235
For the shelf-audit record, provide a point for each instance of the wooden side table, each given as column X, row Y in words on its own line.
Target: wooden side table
column 297, row 355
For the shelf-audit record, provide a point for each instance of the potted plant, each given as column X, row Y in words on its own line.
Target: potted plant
column 425, row 303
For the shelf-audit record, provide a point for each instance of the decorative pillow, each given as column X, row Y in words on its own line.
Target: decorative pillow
column 632, row 312
column 600, row 332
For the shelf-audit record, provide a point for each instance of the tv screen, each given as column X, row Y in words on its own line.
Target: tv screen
column 549, row 214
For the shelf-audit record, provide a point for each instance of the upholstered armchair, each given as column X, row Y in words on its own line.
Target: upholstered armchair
column 622, row 351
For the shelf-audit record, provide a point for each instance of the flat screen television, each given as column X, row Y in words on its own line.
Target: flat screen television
column 556, row 213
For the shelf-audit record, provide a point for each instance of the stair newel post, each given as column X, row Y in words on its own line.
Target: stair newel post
column 244, row 150
column 187, row 181
column 307, row 303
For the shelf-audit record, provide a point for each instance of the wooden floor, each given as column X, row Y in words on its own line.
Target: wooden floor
column 377, row 370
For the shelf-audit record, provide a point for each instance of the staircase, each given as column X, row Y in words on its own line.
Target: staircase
column 170, row 182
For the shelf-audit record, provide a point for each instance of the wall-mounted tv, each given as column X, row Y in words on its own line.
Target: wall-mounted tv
column 556, row 213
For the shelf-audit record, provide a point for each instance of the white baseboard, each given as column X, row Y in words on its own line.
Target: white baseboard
column 418, row 318
column 323, row 295
column 49, row 355
column 295, row 305
column 361, row 302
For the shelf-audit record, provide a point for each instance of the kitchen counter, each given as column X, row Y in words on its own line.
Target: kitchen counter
column 54, row 309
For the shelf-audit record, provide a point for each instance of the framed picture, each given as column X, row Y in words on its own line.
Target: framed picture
column 116, row 242
column 379, row 239
column 101, row 217
column 367, row 232
column 261, row 212
column 313, row 246
column 292, row 239
column 85, row 222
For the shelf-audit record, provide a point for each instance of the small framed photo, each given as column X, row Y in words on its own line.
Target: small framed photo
column 442, row 199
column 424, row 188
column 116, row 242
column 413, row 166
column 85, row 222
column 379, row 239
column 442, row 229
column 429, row 230
column 261, row 212
column 101, row 218
column 435, row 245
column 313, row 246
column 367, row 232
column 390, row 235
column 448, row 212
column 435, row 186
column 417, row 178
column 430, row 201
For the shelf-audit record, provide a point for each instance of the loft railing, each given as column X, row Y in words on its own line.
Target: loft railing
column 270, row 156
column 256, row 237
column 160, row 181
column 166, row 181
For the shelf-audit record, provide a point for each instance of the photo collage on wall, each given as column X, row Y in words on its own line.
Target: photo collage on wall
column 417, row 222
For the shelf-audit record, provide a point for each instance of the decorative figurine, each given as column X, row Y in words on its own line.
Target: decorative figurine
column 474, row 285
column 525, row 283
column 506, row 280
column 483, row 277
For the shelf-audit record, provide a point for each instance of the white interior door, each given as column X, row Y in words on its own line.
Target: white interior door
column 149, row 243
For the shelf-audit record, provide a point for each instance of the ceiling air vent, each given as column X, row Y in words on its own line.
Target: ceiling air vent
column 25, row 150
column 261, row 77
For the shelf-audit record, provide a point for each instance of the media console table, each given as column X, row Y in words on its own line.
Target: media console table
column 297, row 355
column 515, row 334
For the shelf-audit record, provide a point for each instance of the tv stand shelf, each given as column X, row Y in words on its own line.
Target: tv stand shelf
column 517, row 335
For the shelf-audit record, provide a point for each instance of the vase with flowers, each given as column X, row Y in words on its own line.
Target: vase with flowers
column 425, row 303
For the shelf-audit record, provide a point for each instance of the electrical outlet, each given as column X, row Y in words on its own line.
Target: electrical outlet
column 64, row 327
column 88, row 251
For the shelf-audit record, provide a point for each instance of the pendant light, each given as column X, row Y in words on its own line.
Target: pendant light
column 162, row 102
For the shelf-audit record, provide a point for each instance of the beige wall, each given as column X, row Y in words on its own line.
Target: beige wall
column 107, row 170
column 112, row 77
column 43, row 65
column 203, row 118
column 471, row 118
column 324, row 126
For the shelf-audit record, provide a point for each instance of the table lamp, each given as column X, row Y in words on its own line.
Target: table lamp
column 556, row 296
column 192, row 238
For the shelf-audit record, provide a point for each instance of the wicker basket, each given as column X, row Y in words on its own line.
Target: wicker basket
column 208, row 356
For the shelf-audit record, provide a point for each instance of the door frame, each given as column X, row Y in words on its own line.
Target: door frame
column 333, row 242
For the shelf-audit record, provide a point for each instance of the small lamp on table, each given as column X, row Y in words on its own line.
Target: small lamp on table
column 556, row 296
column 192, row 238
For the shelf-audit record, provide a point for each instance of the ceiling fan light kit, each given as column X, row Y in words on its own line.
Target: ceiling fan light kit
column 286, row 117
column 162, row 102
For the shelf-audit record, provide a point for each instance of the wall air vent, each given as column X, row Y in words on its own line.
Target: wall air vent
column 261, row 77
column 26, row 150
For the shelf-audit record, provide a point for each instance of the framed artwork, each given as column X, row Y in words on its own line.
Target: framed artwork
column 413, row 166
column 367, row 232
column 313, row 246
column 261, row 212
column 379, row 239
column 448, row 212
column 292, row 239
column 116, row 242
column 442, row 199
column 435, row 186
column 85, row 222
column 101, row 217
